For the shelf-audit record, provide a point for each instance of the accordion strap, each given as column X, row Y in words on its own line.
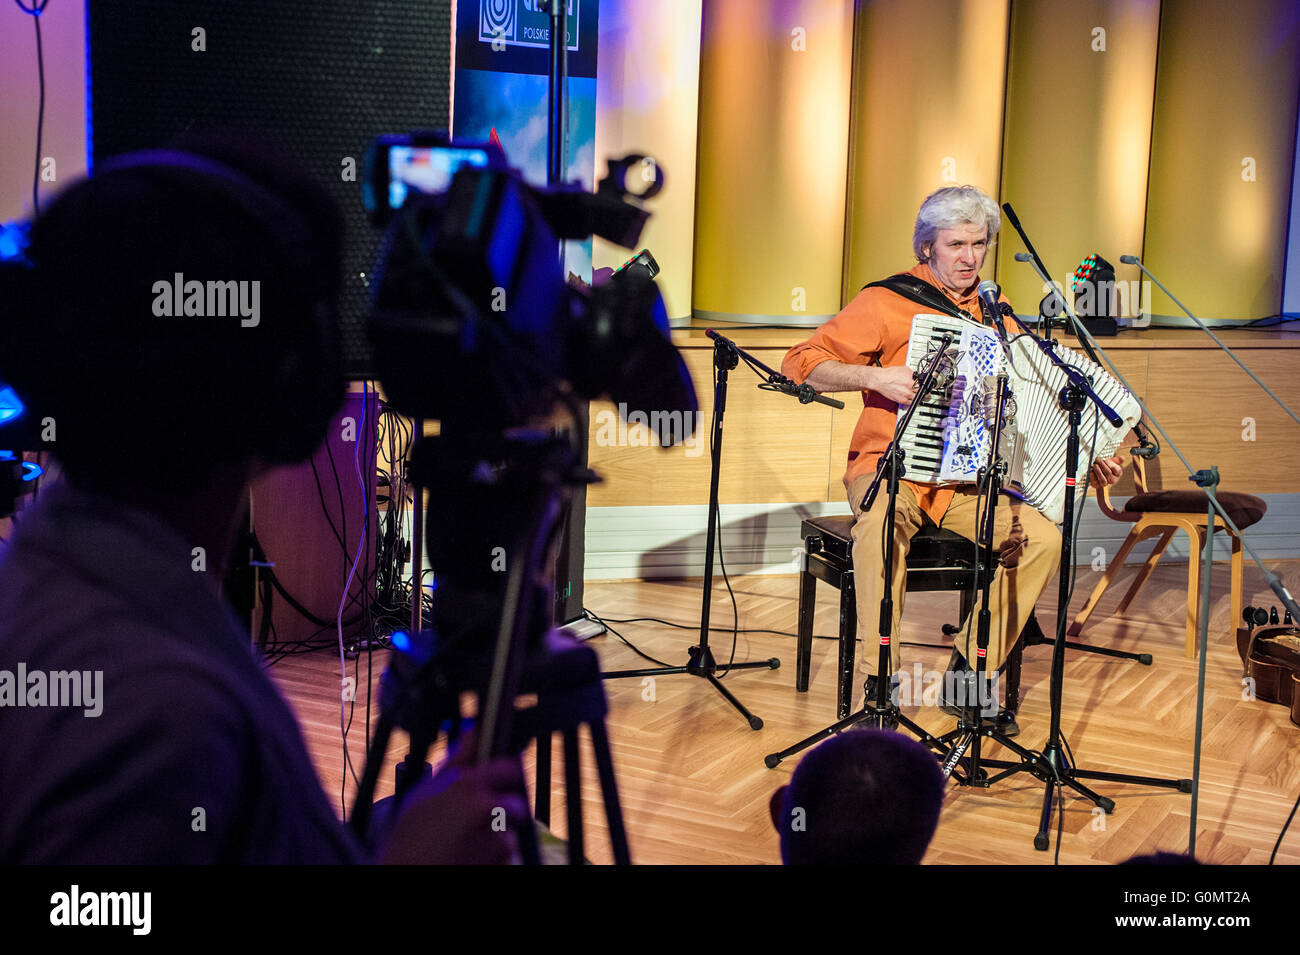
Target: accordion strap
column 922, row 292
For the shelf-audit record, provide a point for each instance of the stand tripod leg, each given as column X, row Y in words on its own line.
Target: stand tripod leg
column 609, row 792
column 867, row 716
column 754, row 722
column 1045, row 819
column 528, row 851
column 542, row 797
column 573, row 795
column 772, row 760
column 1072, row 780
column 1182, row 785
column 848, row 645
column 1068, row 778
column 807, row 607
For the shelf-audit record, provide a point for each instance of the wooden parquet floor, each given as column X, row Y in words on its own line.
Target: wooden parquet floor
column 695, row 789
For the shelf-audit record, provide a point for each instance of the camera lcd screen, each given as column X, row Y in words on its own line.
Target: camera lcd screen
column 426, row 169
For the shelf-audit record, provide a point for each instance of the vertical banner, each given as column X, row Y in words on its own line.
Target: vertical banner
column 502, row 59
column 499, row 90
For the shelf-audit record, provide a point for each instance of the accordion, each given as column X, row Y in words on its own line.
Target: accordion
column 950, row 437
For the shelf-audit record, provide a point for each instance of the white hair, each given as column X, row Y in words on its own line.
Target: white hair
column 948, row 208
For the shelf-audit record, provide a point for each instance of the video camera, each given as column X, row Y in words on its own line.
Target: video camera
column 474, row 322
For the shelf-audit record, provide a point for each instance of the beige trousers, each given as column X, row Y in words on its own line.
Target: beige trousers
column 1030, row 543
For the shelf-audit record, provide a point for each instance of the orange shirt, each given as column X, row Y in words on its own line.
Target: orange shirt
column 875, row 326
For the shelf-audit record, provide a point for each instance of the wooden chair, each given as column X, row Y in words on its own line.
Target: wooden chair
column 936, row 560
column 1162, row 514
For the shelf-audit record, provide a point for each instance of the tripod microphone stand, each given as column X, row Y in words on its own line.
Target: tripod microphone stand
column 1053, row 765
column 726, row 356
column 1052, row 306
column 970, row 723
column 1208, row 480
column 883, row 712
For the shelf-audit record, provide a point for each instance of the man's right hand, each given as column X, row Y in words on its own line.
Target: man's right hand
column 894, row 383
column 465, row 815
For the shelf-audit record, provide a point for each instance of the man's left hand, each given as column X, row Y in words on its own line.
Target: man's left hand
column 1106, row 471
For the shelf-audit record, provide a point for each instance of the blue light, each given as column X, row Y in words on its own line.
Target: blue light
column 14, row 239
column 11, row 406
column 31, row 470
column 401, row 640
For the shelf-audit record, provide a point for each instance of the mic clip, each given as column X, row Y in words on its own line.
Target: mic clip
column 1146, row 451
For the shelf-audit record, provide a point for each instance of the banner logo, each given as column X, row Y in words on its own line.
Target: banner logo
column 522, row 23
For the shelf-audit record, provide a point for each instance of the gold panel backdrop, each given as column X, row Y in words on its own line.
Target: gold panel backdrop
column 928, row 79
column 773, row 151
column 1080, row 86
column 1221, row 156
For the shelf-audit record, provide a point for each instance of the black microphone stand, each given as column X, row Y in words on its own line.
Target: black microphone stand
column 1049, row 309
column 1033, row 635
column 726, row 356
column 970, row 723
column 1052, row 765
column 883, row 711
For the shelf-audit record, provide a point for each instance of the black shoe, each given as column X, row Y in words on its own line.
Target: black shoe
column 958, row 692
column 1006, row 723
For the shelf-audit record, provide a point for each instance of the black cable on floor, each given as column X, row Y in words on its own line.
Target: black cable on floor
column 635, row 649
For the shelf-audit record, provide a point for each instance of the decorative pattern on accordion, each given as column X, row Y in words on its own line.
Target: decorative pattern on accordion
column 982, row 358
column 948, row 439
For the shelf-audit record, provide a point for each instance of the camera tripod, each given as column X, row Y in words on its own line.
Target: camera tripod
column 491, row 632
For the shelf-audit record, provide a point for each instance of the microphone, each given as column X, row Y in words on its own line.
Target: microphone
column 988, row 293
column 1255, row 616
column 1024, row 257
column 1129, row 259
column 806, row 394
column 945, row 372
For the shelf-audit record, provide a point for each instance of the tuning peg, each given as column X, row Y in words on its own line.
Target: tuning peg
column 1287, row 619
column 1273, row 618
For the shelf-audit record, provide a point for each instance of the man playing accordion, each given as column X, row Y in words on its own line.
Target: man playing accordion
column 864, row 348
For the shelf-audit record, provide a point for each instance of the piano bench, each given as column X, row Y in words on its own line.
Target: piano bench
column 937, row 560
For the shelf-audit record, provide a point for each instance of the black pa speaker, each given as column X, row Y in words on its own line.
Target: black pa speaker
column 319, row 80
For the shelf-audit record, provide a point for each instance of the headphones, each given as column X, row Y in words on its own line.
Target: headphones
column 306, row 387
